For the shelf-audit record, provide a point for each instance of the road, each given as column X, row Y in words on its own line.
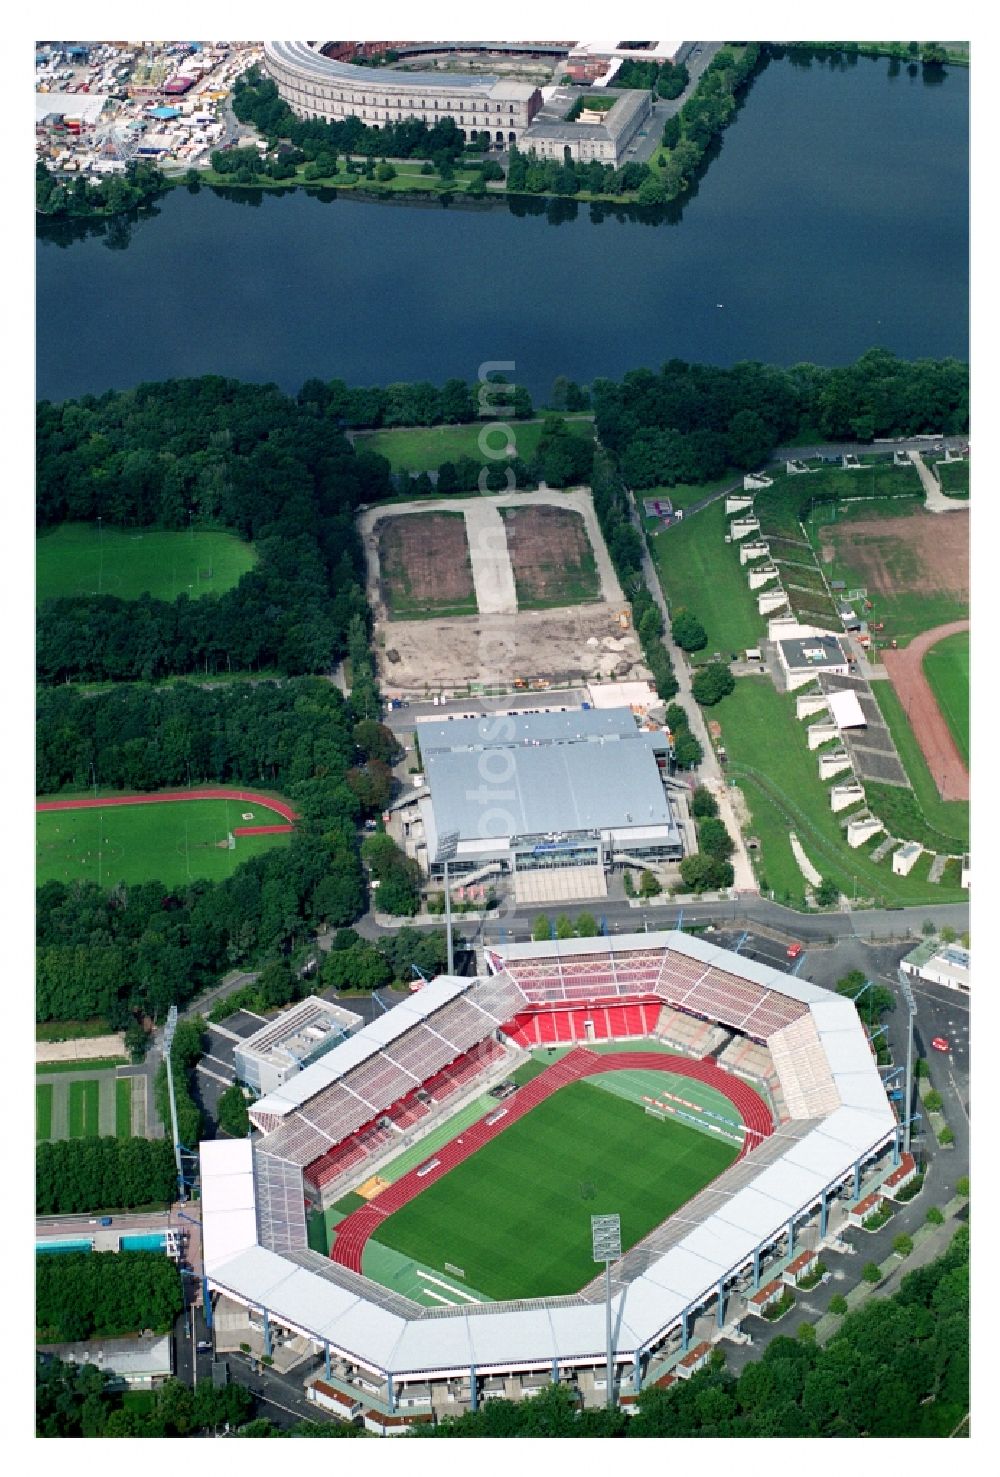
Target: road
column 650, row 139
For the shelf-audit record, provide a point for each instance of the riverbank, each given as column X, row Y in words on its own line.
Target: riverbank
column 896, row 50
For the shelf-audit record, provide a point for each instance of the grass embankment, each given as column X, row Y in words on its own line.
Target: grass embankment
column 778, row 774
column 946, row 667
column 917, row 815
column 701, row 573
column 684, row 495
column 170, row 843
column 536, row 1186
column 424, row 448
column 82, row 559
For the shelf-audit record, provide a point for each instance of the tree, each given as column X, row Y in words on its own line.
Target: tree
column 701, row 873
column 586, row 926
column 232, row 1112
column 902, row 1244
column 628, row 883
column 948, row 935
column 714, row 840
column 688, row 631
column 703, row 803
column 385, row 171
column 933, row 1101
column 838, row 1304
column 712, row 683
column 962, row 1186
column 649, row 885
column 827, row 893
column 541, row 929
column 871, row 1272
column 651, row 192
column 935, row 1217
column 806, row 1333
column 946, row 1136
column 564, row 927
column 688, row 752
column 933, row 54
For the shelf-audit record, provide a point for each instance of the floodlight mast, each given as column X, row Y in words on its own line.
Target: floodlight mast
column 606, row 1235
column 168, row 1041
column 447, row 847
column 911, row 1006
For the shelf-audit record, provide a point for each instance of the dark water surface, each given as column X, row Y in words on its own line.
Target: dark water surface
column 835, row 217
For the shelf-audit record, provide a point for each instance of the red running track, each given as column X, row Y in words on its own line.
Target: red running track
column 355, row 1229
column 261, row 830
column 88, row 802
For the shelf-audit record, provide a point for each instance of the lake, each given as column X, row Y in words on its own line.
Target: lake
column 834, row 218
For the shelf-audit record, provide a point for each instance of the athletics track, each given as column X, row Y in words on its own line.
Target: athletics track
column 89, row 802
column 355, row 1229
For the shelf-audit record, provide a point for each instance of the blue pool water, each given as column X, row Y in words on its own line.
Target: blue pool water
column 156, row 1242
column 46, row 1246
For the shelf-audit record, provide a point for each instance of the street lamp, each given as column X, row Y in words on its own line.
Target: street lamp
column 911, row 1006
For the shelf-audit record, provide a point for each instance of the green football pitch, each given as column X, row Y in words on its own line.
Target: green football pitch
column 515, row 1217
column 946, row 667
column 82, row 559
column 172, row 843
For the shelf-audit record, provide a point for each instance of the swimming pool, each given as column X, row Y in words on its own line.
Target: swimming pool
column 154, row 1242
column 52, row 1246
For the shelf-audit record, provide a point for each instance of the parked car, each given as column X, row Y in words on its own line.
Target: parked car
column 941, row 1043
column 793, row 951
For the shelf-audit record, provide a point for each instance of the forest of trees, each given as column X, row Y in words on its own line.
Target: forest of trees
column 136, row 950
column 64, row 199
column 899, row 1366
column 82, row 1400
column 82, row 1176
column 414, row 403
column 82, row 1295
column 689, row 422
column 214, row 453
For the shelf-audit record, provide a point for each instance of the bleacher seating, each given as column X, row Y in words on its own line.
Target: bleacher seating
column 803, row 1070
column 751, row 1009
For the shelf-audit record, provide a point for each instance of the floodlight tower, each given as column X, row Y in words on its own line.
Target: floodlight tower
column 168, row 1041
column 911, row 1006
column 606, row 1235
column 447, row 847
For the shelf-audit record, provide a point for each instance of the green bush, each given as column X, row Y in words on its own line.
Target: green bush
column 871, row 1272
column 935, row 1217
column 703, row 803
column 933, row 1101
column 541, row 929
column 946, row 1136
column 649, row 885
column 902, row 1244
column 686, row 629
column 838, row 1304
column 962, row 1186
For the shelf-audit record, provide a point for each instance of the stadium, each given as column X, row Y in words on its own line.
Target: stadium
column 456, row 1148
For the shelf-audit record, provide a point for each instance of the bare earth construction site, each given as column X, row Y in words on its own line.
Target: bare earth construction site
column 533, row 567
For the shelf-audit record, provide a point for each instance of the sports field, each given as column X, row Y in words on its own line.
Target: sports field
column 946, row 667
column 172, row 843
column 43, row 1110
column 515, row 1216
column 82, row 559
column 84, row 1108
column 123, row 1107
column 424, row 448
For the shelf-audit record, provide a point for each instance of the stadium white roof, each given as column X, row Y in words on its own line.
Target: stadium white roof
column 331, row 1308
column 846, row 709
column 363, row 1044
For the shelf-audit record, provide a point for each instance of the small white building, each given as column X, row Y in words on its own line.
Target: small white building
column 940, row 964
column 801, row 657
column 293, row 1040
column 139, row 1363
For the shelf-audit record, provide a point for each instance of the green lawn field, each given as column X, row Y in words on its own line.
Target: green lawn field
column 581, row 1152
column 424, row 448
column 702, row 573
column 84, row 1109
column 769, row 760
column 43, row 1110
column 683, row 494
column 946, row 667
column 171, row 843
column 123, row 1108
column 954, row 478
column 80, row 559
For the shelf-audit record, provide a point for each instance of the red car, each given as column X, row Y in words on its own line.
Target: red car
column 793, row 951
column 941, row 1043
